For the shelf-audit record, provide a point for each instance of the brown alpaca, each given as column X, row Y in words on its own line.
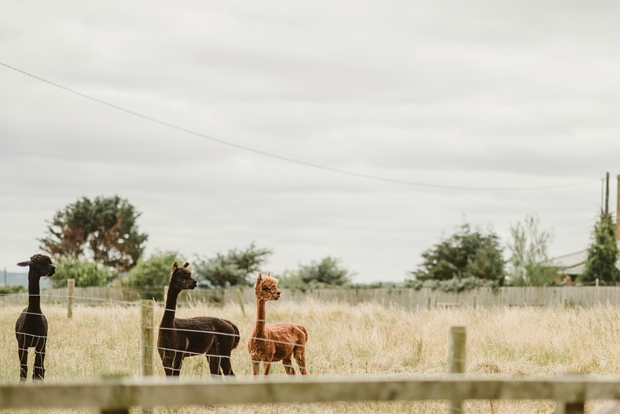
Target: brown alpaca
column 180, row 338
column 277, row 341
column 31, row 326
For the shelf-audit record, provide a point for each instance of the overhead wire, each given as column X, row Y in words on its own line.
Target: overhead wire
column 284, row 158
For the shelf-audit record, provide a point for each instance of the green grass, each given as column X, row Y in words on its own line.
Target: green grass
column 344, row 340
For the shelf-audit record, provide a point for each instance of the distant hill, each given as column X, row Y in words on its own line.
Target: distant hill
column 13, row 279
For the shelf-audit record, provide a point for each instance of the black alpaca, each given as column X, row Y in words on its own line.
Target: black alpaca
column 31, row 326
column 180, row 338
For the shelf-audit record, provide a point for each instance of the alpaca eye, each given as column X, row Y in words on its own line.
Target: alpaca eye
column 265, row 288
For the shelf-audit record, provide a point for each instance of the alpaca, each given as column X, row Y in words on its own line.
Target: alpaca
column 180, row 338
column 277, row 341
column 31, row 326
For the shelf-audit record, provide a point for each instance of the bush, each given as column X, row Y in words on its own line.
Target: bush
column 10, row 290
column 85, row 273
column 529, row 261
column 601, row 262
column 232, row 268
column 463, row 255
column 155, row 271
column 326, row 272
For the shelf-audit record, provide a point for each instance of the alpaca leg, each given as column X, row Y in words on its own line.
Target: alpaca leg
column 267, row 365
column 22, row 351
column 226, row 366
column 300, row 357
column 177, row 361
column 39, row 368
column 39, row 359
column 214, row 365
column 288, row 365
column 255, row 366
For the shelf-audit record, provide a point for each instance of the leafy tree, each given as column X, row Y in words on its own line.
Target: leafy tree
column 290, row 279
column 529, row 261
column 103, row 230
column 602, row 253
column 463, row 255
column 154, row 272
column 232, row 268
column 325, row 272
column 85, row 273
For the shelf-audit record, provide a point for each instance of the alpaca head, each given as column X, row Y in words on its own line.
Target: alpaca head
column 181, row 277
column 266, row 287
column 40, row 265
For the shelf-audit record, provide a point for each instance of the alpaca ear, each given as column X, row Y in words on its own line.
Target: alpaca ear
column 186, row 264
column 175, row 266
column 268, row 274
column 24, row 264
column 260, row 276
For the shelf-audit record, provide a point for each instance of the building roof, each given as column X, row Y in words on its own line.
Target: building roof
column 574, row 263
column 571, row 264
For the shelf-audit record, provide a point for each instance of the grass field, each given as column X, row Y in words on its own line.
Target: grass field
column 346, row 341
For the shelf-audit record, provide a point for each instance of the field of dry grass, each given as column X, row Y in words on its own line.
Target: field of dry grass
column 345, row 341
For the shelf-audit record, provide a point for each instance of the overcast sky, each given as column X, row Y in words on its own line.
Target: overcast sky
column 474, row 94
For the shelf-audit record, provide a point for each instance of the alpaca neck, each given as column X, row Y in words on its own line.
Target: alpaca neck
column 34, row 295
column 171, row 306
column 261, row 315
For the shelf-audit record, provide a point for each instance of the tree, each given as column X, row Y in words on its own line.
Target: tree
column 463, row 255
column 529, row 261
column 85, row 273
column 602, row 253
column 232, row 268
column 103, row 230
column 155, row 271
column 324, row 272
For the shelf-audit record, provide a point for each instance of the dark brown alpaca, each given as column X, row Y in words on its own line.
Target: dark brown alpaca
column 277, row 341
column 31, row 326
column 180, row 338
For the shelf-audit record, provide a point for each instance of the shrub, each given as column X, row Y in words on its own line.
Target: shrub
column 85, row 273
column 155, row 271
column 463, row 255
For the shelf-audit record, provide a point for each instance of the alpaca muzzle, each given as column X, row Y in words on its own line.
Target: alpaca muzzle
column 51, row 272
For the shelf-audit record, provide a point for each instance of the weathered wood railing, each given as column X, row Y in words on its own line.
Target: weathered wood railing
column 119, row 394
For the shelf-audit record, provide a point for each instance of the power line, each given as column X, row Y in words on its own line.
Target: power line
column 287, row 159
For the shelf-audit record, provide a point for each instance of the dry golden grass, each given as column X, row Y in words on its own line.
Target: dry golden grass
column 345, row 341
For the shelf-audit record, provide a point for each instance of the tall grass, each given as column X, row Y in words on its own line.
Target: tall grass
column 344, row 340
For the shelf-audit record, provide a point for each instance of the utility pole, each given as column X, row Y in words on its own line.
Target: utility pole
column 618, row 210
column 606, row 194
column 5, row 269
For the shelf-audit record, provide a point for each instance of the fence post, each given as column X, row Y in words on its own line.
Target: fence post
column 147, row 337
column 70, row 290
column 240, row 298
column 569, row 408
column 114, row 379
column 456, row 362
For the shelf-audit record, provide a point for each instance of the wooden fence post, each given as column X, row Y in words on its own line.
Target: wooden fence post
column 70, row 291
column 456, row 362
column 240, row 298
column 563, row 407
column 147, row 337
column 114, row 379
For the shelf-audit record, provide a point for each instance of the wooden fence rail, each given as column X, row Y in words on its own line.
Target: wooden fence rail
column 119, row 394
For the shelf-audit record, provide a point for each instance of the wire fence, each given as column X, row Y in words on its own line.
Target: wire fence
column 146, row 345
column 405, row 298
